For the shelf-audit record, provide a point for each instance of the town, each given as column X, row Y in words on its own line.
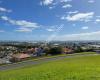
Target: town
column 15, row 51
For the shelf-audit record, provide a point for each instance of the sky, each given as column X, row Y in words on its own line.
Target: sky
column 49, row 20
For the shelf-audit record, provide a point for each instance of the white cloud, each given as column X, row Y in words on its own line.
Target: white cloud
column 79, row 17
column 63, row 18
column 24, row 30
column 91, row 1
column 5, row 10
column 85, row 27
column 51, row 7
column 55, row 28
column 80, row 36
column 46, row 2
column 22, row 23
column 4, row 18
column 24, row 26
column 67, row 6
column 50, row 30
column 53, row 3
column 73, row 12
column 97, row 20
column 65, row 0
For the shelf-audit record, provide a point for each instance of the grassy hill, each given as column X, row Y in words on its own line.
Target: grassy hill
column 76, row 68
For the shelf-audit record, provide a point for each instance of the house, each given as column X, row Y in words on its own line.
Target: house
column 67, row 50
column 39, row 51
column 31, row 50
column 19, row 57
column 4, row 61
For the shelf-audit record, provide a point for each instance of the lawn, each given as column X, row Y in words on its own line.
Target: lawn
column 76, row 68
column 88, row 53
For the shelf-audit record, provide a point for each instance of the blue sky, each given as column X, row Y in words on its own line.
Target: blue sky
column 49, row 20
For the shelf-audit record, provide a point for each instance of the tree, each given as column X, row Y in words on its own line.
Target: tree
column 55, row 50
column 79, row 49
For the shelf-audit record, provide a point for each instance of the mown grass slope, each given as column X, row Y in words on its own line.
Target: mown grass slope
column 76, row 68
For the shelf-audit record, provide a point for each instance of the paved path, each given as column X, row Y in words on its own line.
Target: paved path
column 33, row 62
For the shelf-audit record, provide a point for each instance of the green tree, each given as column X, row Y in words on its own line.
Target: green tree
column 79, row 49
column 55, row 50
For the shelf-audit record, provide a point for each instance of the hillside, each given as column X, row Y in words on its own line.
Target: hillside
column 76, row 68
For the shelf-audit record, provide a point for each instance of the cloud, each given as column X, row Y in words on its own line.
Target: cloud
column 91, row 1
column 5, row 10
column 79, row 17
column 53, row 3
column 22, row 23
column 23, row 30
column 85, row 27
column 65, row 1
column 55, row 28
column 50, row 30
column 67, row 6
column 80, row 36
column 73, row 12
column 46, row 2
column 5, row 18
column 97, row 20
column 51, row 7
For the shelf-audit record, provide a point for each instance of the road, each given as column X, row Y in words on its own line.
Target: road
column 34, row 62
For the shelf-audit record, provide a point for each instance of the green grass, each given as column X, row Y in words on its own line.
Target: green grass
column 86, row 53
column 76, row 68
